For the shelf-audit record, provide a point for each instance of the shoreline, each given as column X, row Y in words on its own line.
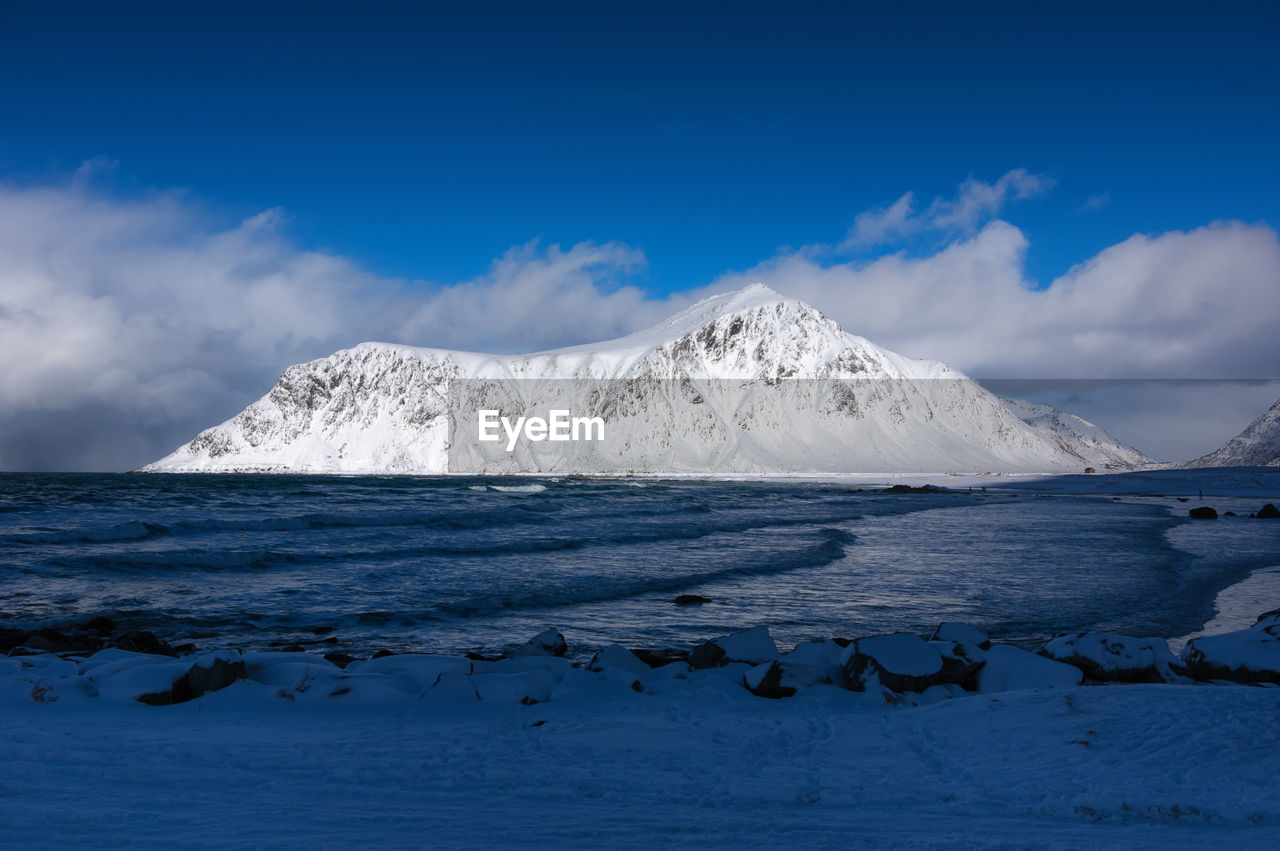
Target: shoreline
column 955, row 661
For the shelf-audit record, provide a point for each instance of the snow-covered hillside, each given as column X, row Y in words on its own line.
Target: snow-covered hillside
column 1081, row 438
column 1256, row 446
column 747, row 382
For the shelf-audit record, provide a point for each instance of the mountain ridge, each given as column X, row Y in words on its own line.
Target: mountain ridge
column 1257, row 446
column 386, row 408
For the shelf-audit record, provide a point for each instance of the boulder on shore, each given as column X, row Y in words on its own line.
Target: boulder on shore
column 549, row 642
column 961, row 662
column 766, row 681
column 1116, row 658
column 753, row 646
column 900, row 661
column 1269, row 512
column 1246, row 656
column 619, row 658
column 953, row 631
column 1011, row 669
column 211, row 672
column 660, row 657
column 1204, row 512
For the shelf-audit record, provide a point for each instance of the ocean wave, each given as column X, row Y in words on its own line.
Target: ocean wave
column 595, row 588
column 130, row 530
column 134, row 530
column 178, row 560
column 264, row 559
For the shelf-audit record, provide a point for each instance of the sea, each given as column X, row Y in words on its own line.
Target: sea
column 453, row 565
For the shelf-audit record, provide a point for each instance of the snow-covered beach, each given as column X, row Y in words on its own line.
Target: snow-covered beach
column 695, row 761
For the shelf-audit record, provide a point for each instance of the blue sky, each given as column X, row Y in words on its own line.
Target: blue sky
column 423, row 142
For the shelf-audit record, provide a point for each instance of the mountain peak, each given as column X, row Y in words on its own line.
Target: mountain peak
column 747, row 299
column 754, row 295
column 384, row 409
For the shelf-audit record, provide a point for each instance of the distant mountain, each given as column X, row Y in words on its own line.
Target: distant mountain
column 1079, row 437
column 1256, row 446
column 747, row 382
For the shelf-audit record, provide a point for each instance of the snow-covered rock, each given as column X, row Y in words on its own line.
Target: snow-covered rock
column 901, row 662
column 423, row 671
column 823, row 652
column 962, row 632
column 1093, row 446
column 617, row 657
column 211, row 672
column 452, row 690
column 529, row 687
column 766, row 681
column 139, row 681
column 1117, row 658
column 746, row 382
column 1247, row 656
column 1010, row 669
column 257, row 662
column 1257, row 446
column 753, row 646
column 661, row 657
column 813, row 662
column 549, row 642
column 961, row 661
column 293, row 674
column 169, row 682
column 106, row 663
column 798, row 675
column 557, row 666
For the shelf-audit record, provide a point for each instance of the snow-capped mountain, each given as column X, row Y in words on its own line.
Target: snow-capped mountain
column 1079, row 437
column 747, row 382
column 1257, row 446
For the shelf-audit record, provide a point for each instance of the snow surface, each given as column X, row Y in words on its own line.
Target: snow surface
column 1008, row 669
column 695, row 761
column 717, row 389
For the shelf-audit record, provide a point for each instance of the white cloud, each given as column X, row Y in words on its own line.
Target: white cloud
column 1182, row 304
column 536, row 299
column 141, row 321
column 975, row 202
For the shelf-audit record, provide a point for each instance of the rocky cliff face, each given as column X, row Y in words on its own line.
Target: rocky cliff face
column 1079, row 437
column 748, row 382
column 1256, row 446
